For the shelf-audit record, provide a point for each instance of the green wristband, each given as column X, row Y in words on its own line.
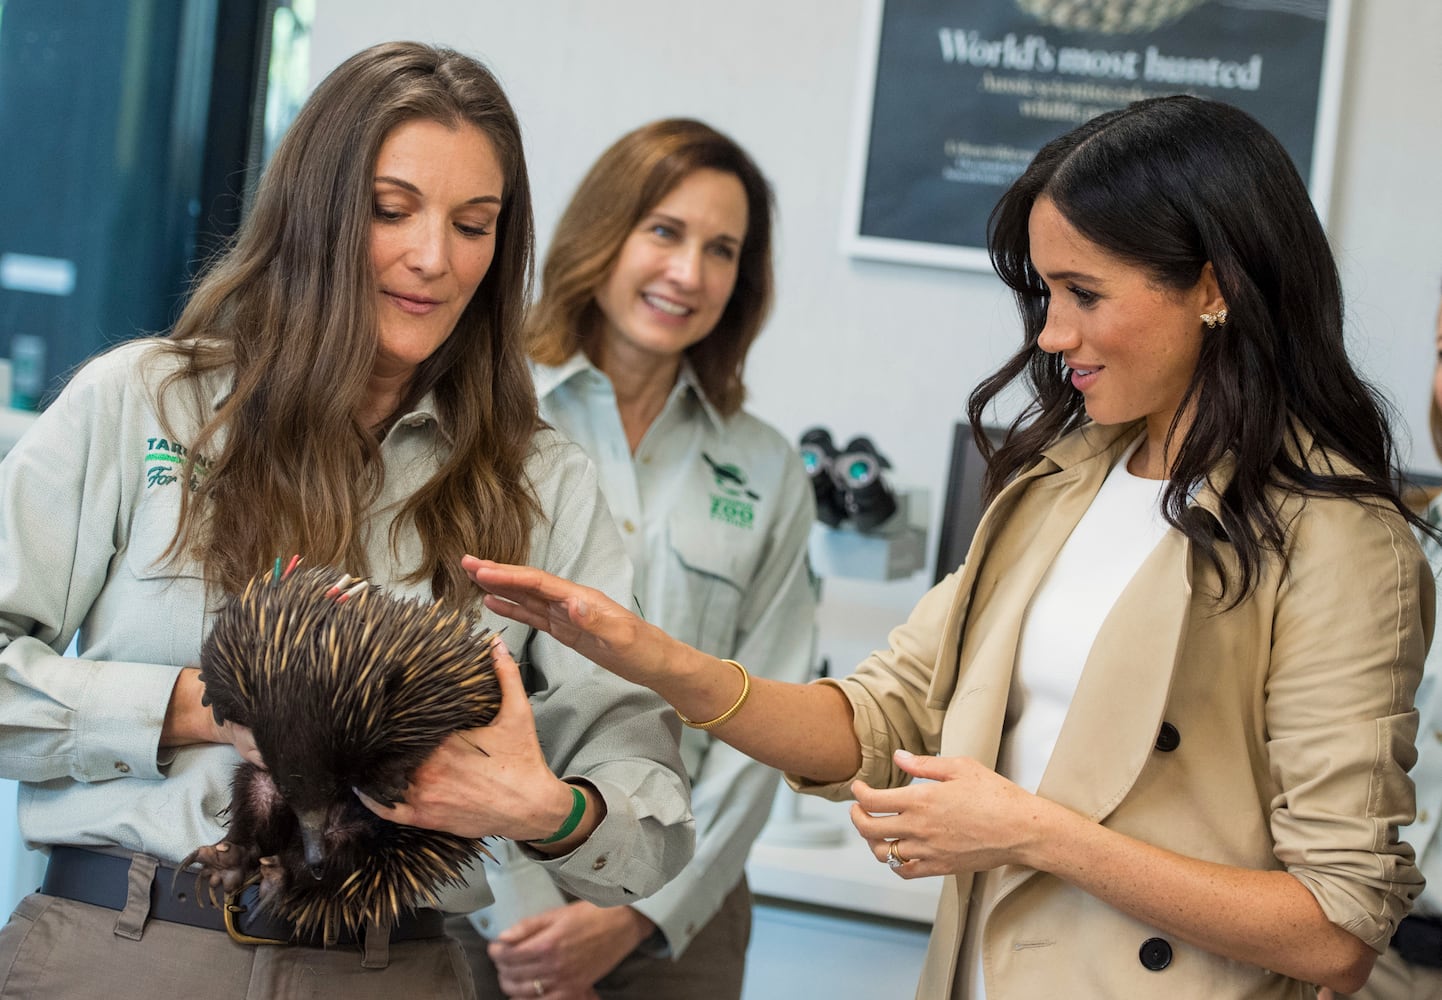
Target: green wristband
column 578, row 809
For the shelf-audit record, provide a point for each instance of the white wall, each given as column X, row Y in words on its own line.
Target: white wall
column 888, row 349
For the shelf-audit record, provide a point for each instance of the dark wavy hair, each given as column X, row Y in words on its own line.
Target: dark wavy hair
column 1167, row 185
column 622, row 187
column 290, row 310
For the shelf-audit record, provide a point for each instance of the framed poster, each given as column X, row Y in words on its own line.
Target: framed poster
column 957, row 96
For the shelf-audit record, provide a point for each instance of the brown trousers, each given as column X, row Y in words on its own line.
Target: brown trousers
column 58, row 949
column 712, row 968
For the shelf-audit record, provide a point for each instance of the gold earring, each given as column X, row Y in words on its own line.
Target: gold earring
column 1216, row 319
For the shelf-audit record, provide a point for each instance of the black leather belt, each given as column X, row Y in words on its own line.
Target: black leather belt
column 1418, row 939
column 104, row 880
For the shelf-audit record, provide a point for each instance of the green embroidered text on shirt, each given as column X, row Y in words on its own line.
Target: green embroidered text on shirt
column 172, row 456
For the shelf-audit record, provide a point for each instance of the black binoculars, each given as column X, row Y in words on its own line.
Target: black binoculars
column 848, row 482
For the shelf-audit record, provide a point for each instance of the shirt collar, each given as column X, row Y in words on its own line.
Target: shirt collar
column 424, row 411
column 550, row 378
column 688, row 378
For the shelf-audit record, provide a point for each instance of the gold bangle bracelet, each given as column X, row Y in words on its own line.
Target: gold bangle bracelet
column 740, row 700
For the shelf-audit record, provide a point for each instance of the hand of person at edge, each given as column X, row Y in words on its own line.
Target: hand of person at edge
column 566, row 949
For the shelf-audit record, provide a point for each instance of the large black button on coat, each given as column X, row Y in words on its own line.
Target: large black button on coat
column 1168, row 739
column 1156, row 954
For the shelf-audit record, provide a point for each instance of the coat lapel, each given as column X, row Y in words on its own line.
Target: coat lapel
column 1111, row 728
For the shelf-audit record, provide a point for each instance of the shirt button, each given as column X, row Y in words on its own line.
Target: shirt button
column 1168, row 739
column 122, row 767
column 1156, row 954
column 598, row 864
column 630, row 528
column 645, row 459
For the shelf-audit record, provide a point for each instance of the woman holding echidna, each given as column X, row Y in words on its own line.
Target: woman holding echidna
column 348, row 382
column 655, row 287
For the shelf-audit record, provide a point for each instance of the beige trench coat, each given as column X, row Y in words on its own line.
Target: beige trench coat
column 1288, row 726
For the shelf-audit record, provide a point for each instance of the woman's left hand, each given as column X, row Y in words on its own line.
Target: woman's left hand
column 490, row 781
column 967, row 818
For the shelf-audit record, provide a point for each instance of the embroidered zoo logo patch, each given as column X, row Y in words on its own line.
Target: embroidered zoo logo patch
column 165, row 462
column 735, row 503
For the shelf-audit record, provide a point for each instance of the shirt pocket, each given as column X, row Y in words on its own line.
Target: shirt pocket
column 169, row 591
column 152, row 527
column 704, row 585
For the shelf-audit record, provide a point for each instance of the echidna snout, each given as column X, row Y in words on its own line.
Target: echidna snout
column 312, row 837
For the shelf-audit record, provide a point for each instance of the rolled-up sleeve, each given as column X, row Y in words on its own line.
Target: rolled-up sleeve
column 595, row 728
column 1352, row 621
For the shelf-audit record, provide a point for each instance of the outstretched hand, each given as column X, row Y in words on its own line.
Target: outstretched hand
column 580, row 617
column 486, row 781
column 967, row 818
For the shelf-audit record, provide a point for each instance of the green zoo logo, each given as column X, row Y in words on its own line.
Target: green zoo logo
column 736, row 503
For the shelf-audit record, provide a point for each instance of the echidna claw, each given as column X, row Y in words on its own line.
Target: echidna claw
column 222, row 867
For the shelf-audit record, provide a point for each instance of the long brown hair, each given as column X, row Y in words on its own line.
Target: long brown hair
column 625, row 184
column 290, row 308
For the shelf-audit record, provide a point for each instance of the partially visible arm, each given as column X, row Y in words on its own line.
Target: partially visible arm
column 1266, row 918
column 188, row 721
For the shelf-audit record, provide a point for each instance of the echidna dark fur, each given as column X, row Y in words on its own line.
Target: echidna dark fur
column 342, row 694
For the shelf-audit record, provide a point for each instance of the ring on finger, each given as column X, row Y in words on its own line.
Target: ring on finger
column 894, row 860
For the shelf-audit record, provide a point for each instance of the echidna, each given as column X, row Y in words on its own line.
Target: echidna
column 343, row 687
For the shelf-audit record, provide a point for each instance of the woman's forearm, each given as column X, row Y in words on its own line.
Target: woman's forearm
column 805, row 729
column 1266, row 918
column 187, row 720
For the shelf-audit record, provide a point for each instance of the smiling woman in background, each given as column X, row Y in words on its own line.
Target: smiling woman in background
column 1166, row 704
column 347, row 382
column 655, row 287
